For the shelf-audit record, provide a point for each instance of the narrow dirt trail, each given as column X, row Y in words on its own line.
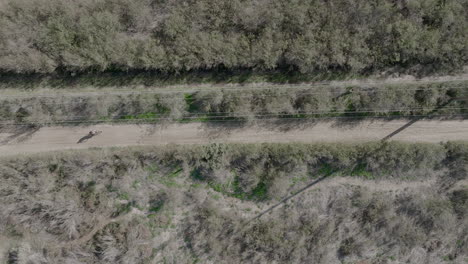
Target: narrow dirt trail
column 48, row 92
column 63, row 138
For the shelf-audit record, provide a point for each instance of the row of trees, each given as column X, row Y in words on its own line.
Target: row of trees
column 173, row 35
column 243, row 104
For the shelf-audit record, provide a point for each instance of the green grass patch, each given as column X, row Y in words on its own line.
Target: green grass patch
column 260, row 192
column 361, row 171
column 326, row 170
column 189, row 100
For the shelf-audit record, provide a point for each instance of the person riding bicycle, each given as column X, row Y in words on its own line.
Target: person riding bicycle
column 93, row 132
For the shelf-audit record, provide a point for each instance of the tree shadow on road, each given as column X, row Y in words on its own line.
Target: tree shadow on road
column 410, row 123
column 85, row 138
column 416, row 119
column 20, row 133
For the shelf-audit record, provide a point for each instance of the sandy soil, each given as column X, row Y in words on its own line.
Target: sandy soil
column 61, row 138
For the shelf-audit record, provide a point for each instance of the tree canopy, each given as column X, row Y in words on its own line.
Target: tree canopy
column 44, row 36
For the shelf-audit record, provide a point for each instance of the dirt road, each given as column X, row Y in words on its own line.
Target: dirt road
column 30, row 140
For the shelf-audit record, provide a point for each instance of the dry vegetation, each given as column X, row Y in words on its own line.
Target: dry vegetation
column 45, row 36
column 243, row 105
column 379, row 203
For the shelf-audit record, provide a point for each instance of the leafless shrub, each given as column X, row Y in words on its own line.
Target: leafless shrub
column 132, row 205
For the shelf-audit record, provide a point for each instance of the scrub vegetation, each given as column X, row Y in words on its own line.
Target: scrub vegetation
column 378, row 203
column 92, row 61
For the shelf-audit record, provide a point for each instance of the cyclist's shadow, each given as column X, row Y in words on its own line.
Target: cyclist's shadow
column 85, row 138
